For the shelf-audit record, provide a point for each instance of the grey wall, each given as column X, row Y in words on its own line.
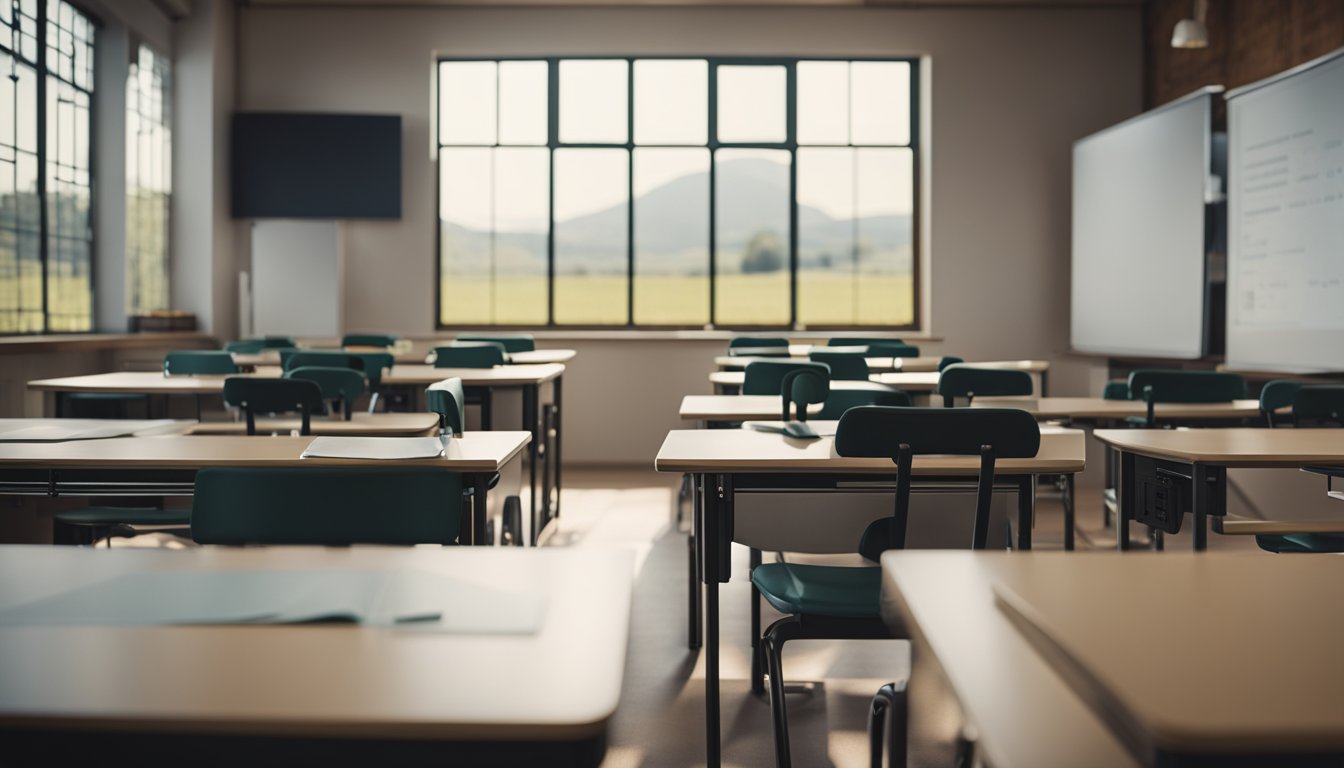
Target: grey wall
column 1010, row 90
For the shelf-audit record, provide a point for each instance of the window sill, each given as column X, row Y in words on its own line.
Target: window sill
column 621, row 334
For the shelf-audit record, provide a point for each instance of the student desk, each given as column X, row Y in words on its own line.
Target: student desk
column 729, row 462
column 59, row 430
column 730, row 382
column 1097, row 409
column 1166, row 472
column 358, row 425
column 339, row 694
column 412, row 357
column 717, row 409
column 1186, row 659
column 875, row 364
column 166, row 466
column 149, row 383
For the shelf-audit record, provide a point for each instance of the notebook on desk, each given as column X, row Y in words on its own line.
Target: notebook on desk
column 379, row 448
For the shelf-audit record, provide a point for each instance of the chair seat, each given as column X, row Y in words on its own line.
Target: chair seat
column 124, row 516
column 1301, row 542
column 1327, row 471
column 820, row 590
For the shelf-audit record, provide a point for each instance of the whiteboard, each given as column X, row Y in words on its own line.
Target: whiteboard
column 1139, row 236
column 296, row 278
column 1286, row 221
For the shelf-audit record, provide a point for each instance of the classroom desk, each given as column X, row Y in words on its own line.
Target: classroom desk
column 410, row 357
column 1097, row 409
column 359, row 424
column 1166, row 472
column 478, row 383
column 717, row 409
column 1188, row 659
column 58, row 430
column 1023, row 714
column 320, row 693
column 730, row 382
column 728, row 462
column 166, row 466
column 875, row 364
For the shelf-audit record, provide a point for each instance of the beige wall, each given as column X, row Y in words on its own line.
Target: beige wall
column 1010, row 91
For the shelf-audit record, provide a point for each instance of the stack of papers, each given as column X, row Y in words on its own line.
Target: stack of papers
column 381, row 448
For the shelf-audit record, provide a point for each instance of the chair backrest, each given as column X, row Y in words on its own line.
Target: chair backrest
column 852, row 396
column 802, row 387
column 765, row 377
column 1275, row 395
column 279, row 342
column 892, row 349
column 246, row 346
column 1156, row 385
column 1116, row 389
column 375, row 365
column 326, row 506
column 470, row 354
column 193, row 362
column 845, row 366
column 1319, row 405
column 758, row 346
column 860, row 341
column 512, row 342
column 962, row 380
column 257, row 395
column 447, row 399
column 368, row 340
column 948, row 360
column 319, row 358
column 900, row 434
column 344, row 385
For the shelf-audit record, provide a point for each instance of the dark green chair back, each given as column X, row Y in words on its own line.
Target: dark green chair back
column 1156, row 385
column 262, row 396
column 892, row 349
column 845, row 366
column 853, row 396
column 279, row 342
column 375, row 365
column 1319, row 405
column 325, row 506
column 512, row 342
column 948, row 360
column 245, row 346
column 802, row 387
column 319, row 358
column 470, row 354
column 368, row 340
column 758, row 346
column 900, row 434
column 1275, row 395
column 962, row 380
column 342, row 385
column 447, row 399
column 197, row 362
column 860, row 341
column 1117, row 389
column 766, row 377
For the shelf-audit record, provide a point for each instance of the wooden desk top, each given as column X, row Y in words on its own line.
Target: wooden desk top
column 75, row 342
column 1099, row 408
column 1190, row 652
column 136, row 383
column 473, row 452
column 910, row 382
column 1233, row 447
column 55, row 430
column 743, row 450
column 875, row 364
column 367, row 424
column 734, row 407
column 345, row 681
column 501, row 376
column 1024, row 714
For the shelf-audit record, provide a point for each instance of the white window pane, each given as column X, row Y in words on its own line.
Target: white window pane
column 467, row 102
column 591, row 236
column 671, row 236
column 466, row 182
column 751, row 237
column 522, row 216
column 880, row 93
column 752, row 104
column 594, row 99
column 885, row 237
column 823, row 102
column 671, row 102
column 466, row 188
column 522, row 102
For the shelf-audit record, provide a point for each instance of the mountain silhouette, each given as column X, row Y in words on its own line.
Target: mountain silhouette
column 671, row 222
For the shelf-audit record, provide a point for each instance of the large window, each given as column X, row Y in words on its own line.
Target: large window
column 148, row 182
column 46, row 86
column 677, row 193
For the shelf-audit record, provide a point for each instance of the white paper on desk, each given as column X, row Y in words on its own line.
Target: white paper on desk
column 80, row 429
column 382, row 448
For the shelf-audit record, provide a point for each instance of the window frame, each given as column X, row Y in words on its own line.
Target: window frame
column 712, row 145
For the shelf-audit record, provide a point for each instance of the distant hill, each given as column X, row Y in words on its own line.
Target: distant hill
column 671, row 221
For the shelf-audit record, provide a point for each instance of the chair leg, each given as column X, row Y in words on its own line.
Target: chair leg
column 888, row 705
column 757, row 672
column 772, row 646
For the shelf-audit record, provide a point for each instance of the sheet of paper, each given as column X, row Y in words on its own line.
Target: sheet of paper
column 381, row 448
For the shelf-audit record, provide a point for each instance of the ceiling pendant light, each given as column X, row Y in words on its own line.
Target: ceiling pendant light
column 1192, row 33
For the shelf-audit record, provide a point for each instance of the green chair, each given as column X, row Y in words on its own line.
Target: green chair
column 323, row 506
column 892, row 349
column 1319, row 405
column 512, row 342
column 470, row 354
column 859, row 341
column 758, row 346
column 1117, row 389
column 1275, row 395
column 89, row 524
column 320, row 358
column 245, row 346
column 447, row 399
column 962, row 380
column 375, row 365
column 845, row 366
column 841, row 400
column 279, row 342
column 800, row 388
column 368, row 340
column 1155, row 385
column 264, row 396
column 826, row 602
column 1313, row 406
column 198, row 362
column 765, row 377
column 1301, row 543
column 947, row 361
column 344, row 386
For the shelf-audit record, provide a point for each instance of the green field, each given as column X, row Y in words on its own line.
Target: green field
column 824, row 298
column 21, row 301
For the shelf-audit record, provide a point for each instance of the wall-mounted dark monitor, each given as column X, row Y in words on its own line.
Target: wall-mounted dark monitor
column 302, row 165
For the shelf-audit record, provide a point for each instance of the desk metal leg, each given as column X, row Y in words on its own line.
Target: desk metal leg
column 558, row 414
column 695, row 567
column 757, row 673
column 713, row 746
column 1070, row 520
column 1125, row 501
column 1026, row 507
column 717, row 545
column 1199, row 500
column 480, row 509
column 533, row 452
